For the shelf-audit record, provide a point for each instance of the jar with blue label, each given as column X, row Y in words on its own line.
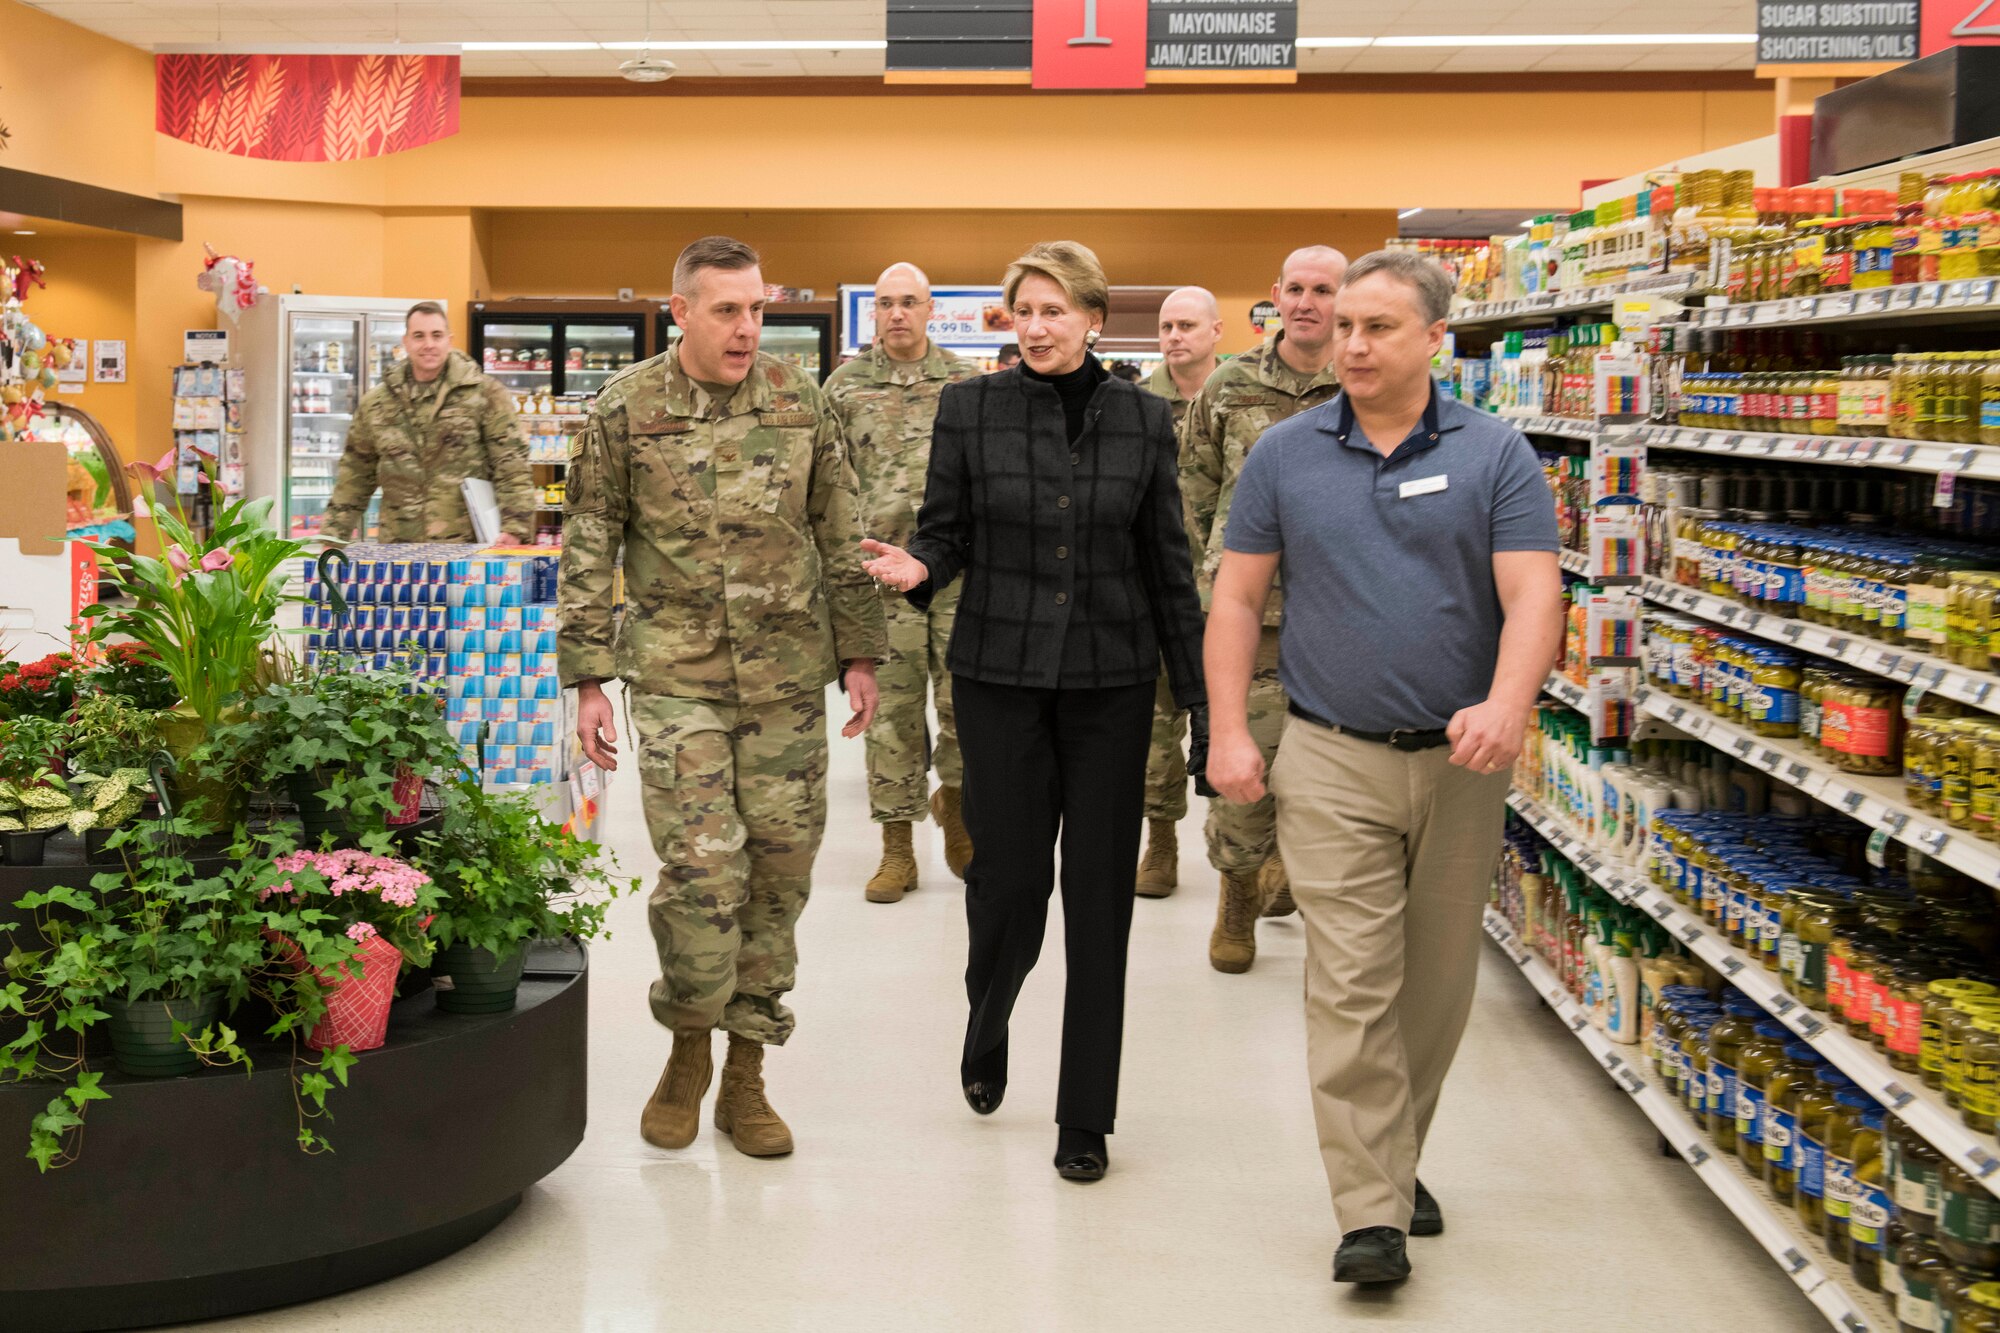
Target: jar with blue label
column 1842, row 1127
column 1755, row 1063
column 1771, row 699
column 1870, row 1208
column 1817, row 1102
column 1781, row 1117
column 1738, row 1024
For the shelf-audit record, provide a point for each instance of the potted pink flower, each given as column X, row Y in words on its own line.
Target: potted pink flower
column 380, row 903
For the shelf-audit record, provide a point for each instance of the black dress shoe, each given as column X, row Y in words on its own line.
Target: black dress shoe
column 1428, row 1219
column 1081, row 1155
column 1370, row 1255
column 985, row 1095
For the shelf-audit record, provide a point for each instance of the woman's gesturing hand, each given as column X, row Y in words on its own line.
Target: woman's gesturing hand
column 893, row 565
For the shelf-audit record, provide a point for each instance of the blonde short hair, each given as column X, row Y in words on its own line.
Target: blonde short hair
column 1071, row 266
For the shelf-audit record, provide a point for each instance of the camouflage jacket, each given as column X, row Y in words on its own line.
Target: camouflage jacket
column 886, row 415
column 1245, row 397
column 1161, row 383
column 743, row 578
column 418, row 449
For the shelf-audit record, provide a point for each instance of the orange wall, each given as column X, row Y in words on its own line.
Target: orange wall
column 91, row 294
column 1235, row 255
column 78, row 105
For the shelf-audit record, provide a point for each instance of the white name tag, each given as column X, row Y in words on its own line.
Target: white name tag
column 1423, row 486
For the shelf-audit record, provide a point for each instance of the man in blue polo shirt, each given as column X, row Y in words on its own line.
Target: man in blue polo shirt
column 1423, row 610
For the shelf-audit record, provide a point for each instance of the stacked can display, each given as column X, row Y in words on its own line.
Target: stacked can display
column 480, row 623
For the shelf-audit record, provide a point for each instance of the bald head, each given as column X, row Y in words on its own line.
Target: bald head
column 903, row 311
column 1304, row 294
column 1190, row 326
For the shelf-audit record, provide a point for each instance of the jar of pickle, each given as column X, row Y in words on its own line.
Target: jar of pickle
column 1788, row 1079
column 1903, row 1035
column 1870, row 1211
column 1903, row 396
column 1919, row 1264
column 1958, row 738
column 1979, row 1079
column 1819, row 918
column 1842, row 1125
column 1969, row 617
column 1851, row 967
column 1737, row 1025
column 1813, row 685
column 1860, row 726
column 1953, row 1027
column 1919, row 1179
column 1923, row 771
column 1940, row 997
column 1977, row 1311
column 1755, row 1061
column 1986, row 782
column 1968, row 1223
column 1772, row 701
column 1817, row 1102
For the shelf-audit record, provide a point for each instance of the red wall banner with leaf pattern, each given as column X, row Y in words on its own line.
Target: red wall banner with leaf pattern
column 331, row 108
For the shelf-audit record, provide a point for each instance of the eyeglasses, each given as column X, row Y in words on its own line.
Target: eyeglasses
column 888, row 303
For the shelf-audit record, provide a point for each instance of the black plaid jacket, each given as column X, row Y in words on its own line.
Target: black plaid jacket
column 1076, row 564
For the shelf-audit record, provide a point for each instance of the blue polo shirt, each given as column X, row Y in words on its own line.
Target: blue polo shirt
column 1391, row 617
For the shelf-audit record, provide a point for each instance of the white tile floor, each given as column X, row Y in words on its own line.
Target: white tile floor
column 903, row 1210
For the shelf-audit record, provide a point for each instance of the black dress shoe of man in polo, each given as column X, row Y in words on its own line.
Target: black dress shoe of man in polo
column 1371, row 1255
column 1428, row 1219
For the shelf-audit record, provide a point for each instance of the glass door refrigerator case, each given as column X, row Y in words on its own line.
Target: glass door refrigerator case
column 557, row 347
column 307, row 362
column 800, row 332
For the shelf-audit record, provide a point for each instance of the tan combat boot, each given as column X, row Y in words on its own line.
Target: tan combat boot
column 741, row 1110
column 945, row 808
column 897, row 874
column 1276, row 886
column 673, row 1113
column 1160, row 868
column 1232, row 945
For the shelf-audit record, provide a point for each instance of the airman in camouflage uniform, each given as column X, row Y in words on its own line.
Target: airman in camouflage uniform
column 1190, row 327
column 1245, row 397
column 418, row 440
column 744, row 596
column 886, row 400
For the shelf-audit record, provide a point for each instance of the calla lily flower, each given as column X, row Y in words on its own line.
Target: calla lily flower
column 216, row 560
column 154, row 471
column 178, row 560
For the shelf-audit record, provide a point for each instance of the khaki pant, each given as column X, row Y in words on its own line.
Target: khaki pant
column 1390, row 854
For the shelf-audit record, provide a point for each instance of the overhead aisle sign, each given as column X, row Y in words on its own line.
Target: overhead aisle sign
column 1093, row 43
column 1821, row 32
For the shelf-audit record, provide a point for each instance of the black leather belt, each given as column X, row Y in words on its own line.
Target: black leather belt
column 1395, row 740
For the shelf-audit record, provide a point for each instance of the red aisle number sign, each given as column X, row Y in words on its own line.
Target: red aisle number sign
column 1090, row 44
column 1947, row 23
column 82, row 593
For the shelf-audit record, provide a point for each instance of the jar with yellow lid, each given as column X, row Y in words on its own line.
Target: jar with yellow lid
column 1986, row 782
column 1953, row 1027
column 1939, row 997
column 1968, row 1224
column 1978, row 1310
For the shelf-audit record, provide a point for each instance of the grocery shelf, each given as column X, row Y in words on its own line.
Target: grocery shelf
column 1918, row 1106
column 1568, row 428
column 1527, row 311
column 1946, row 679
column 1559, row 686
column 1876, row 802
column 1981, row 462
column 1911, row 303
column 1576, row 562
column 1823, row 1280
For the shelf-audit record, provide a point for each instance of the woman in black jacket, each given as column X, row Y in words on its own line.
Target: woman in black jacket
column 1052, row 488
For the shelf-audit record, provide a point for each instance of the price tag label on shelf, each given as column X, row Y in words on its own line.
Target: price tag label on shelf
column 1809, row 308
column 1933, row 840
column 1851, row 801
column 1832, row 307
column 1797, row 774
column 1903, row 298
column 1741, row 315
column 1892, row 822
column 1864, row 450
column 1769, row 760
column 1871, row 302
column 1956, row 293
column 1982, row 292
column 1792, row 630
column 1929, row 294
column 1839, row 451
column 1836, row 645
column 1763, row 444
column 1895, row 452
column 1767, row 312
column 1814, row 448
column 1743, row 746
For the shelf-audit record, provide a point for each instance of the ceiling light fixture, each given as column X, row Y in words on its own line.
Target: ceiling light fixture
column 1305, row 43
column 1317, row 43
column 24, row 233
column 830, row 45
column 1408, row 213
column 647, row 67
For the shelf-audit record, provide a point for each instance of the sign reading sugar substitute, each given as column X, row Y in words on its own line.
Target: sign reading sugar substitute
column 1835, row 31
column 1222, row 35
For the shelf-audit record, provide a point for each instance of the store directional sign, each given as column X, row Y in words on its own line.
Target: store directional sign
column 1093, row 43
column 1822, row 32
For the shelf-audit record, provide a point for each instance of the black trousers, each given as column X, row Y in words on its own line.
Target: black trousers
column 1040, row 762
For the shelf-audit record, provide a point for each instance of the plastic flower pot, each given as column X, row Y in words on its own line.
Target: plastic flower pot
column 480, row 982
column 408, row 793
column 223, row 803
column 357, row 1000
column 315, row 815
column 94, row 852
column 23, row 847
column 142, row 1034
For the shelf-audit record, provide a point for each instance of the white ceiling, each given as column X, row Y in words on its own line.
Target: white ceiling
column 145, row 23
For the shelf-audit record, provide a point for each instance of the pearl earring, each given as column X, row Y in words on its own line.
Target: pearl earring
column 1090, row 338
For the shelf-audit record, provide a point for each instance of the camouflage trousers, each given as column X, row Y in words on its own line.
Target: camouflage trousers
column 1166, row 760
column 735, row 799
column 1243, row 837
column 900, row 755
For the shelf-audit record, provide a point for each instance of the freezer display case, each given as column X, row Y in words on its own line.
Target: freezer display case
column 307, row 363
column 798, row 332
column 557, row 348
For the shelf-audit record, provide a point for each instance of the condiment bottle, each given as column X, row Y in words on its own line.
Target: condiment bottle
column 1738, row 1024
column 1919, row 1263
column 1871, row 1210
column 1842, row 1126
column 1781, row 1117
column 1968, row 1222
column 1758, row 1057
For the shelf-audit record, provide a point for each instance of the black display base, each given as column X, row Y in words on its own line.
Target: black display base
column 191, row 1199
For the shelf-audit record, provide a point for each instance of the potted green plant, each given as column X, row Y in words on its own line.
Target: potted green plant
column 43, row 688
column 160, row 954
column 131, row 672
column 109, row 742
column 34, row 799
column 341, row 742
column 508, row 876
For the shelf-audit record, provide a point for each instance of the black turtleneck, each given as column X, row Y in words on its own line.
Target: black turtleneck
column 1074, row 388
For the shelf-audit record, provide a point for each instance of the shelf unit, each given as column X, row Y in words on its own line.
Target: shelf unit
column 1905, row 1095
column 1822, row 1279
column 1909, row 665
column 1567, row 428
column 1576, row 562
column 1876, row 802
column 1913, row 303
column 1559, row 686
column 1530, row 310
column 1978, row 461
